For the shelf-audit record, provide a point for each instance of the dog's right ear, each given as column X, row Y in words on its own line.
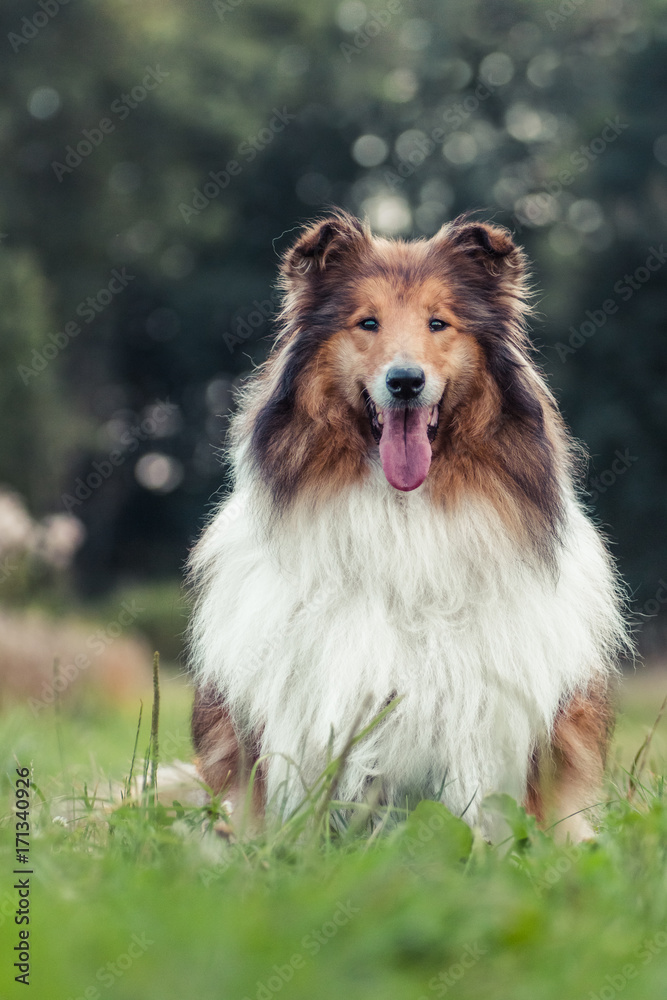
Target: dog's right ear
column 328, row 242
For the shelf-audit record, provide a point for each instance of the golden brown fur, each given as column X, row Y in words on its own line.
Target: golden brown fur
column 224, row 761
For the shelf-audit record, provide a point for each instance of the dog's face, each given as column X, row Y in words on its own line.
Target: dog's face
column 413, row 352
column 394, row 328
column 400, row 350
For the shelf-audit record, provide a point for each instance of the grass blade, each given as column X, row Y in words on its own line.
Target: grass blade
column 128, row 782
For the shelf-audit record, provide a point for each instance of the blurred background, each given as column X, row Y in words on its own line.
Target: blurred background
column 157, row 158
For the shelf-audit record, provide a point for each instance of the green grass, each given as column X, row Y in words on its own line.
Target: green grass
column 148, row 902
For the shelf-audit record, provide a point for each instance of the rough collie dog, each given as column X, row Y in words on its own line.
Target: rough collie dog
column 403, row 523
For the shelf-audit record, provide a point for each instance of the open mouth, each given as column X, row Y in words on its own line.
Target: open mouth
column 376, row 418
column 404, row 434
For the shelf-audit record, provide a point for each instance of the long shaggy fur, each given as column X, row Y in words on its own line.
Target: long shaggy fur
column 484, row 597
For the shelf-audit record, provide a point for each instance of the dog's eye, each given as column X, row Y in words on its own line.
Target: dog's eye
column 437, row 324
column 370, row 323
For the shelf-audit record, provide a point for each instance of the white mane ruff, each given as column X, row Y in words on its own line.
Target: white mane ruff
column 380, row 594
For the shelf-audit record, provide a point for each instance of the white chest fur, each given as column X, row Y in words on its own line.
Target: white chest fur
column 380, row 594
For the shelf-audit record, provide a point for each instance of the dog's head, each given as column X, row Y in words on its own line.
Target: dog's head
column 384, row 343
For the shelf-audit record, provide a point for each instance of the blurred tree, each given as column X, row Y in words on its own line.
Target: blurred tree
column 36, row 435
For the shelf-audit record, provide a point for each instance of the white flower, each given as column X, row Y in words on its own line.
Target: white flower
column 17, row 529
column 60, row 536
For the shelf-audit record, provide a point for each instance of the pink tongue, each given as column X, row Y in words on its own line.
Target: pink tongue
column 405, row 450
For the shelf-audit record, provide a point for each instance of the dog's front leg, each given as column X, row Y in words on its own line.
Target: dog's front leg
column 565, row 778
column 224, row 761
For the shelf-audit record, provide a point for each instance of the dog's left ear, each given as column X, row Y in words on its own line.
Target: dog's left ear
column 490, row 247
column 328, row 242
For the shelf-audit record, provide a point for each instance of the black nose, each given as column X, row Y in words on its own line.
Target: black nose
column 405, row 383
